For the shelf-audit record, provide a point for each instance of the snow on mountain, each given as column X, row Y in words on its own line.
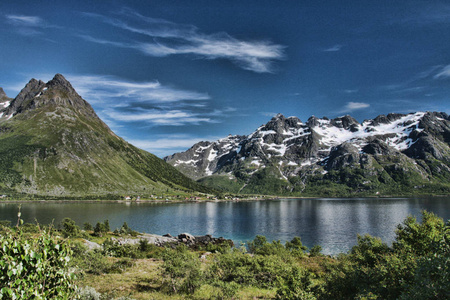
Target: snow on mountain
column 290, row 147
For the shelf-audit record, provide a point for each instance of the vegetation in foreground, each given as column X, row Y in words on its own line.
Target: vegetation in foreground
column 46, row 263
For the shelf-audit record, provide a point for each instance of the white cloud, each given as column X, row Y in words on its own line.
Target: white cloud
column 169, row 144
column 444, row 72
column 268, row 114
column 20, row 20
column 98, row 88
column 168, row 38
column 168, row 118
column 351, row 91
column 351, row 106
column 30, row 25
column 333, row 48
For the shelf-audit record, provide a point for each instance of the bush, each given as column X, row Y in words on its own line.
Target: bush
column 295, row 285
column 114, row 249
column 88, row 293
column 416, row 266
column 88, row 226
column 69, row 228
column 101, row 228
column 34, row 268
column 315, row 251
column 182, row 271
column 125, row 230
column 416, row 238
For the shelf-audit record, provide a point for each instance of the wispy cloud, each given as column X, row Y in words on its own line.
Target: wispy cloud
column 352, row 106
column 21, row 20
column 167, row 38
column 351, row 91
column 268, row 114
column 29, row 25
column 122, row 101
column 443, row 72
column 101, row 87
column 169, row 144
column 156, row 117
column 333, row 48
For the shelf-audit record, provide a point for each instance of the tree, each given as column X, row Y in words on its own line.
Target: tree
column 69, row 228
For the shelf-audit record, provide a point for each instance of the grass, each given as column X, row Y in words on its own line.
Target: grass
column 141, row 281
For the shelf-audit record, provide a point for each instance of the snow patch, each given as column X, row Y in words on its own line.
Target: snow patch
column 186, row 162
column 212, row 155
column 5, row 104
column 255, row 162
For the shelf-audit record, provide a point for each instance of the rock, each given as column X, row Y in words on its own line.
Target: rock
column 91, row 245
column 292, row 153
column 3, row 95
column 186, row 236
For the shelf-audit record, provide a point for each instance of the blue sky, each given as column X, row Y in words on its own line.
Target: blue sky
column 166, row 74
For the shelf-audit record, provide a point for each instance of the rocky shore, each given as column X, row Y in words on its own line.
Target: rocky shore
column 193, row 242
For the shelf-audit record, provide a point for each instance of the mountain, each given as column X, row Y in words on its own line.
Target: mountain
column 397, row 154
column 53, row 144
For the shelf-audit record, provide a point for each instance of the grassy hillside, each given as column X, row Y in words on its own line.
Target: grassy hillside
column 62, row 151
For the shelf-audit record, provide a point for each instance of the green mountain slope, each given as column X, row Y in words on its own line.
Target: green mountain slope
column 53, row 144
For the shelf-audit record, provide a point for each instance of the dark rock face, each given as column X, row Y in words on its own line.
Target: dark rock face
column 57, row 91
column 199, row 242
column 3, row 94
column 378, row 147
column 382, row 147
column 341, row 156
column 25, row 99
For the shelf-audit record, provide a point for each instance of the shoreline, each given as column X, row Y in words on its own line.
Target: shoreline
column 249, row 199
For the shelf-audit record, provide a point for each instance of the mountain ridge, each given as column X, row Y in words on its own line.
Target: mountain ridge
column 53, row 144
column 293, row 157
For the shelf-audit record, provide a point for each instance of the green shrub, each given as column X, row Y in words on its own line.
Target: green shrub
column 416, row 238
column 88, row 293
column 125, row 230
column 416, row 266
column 295, row 285
column 315, row 251
column 114, row 249
column 35, row 268
column 101, row 228
column 182, row 271
column 5, row 223
column 88, row 226
column 69, row 228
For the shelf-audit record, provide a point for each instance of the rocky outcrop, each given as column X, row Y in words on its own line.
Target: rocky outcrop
column 3, row 95
column 295, row 151
column 194, row 242
column 58, row 92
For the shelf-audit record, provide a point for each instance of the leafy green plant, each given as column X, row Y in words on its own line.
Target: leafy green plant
column 182, row 271
column 35, row 268
column 101, row 228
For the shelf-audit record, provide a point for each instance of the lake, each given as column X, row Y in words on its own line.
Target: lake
column 331, row 223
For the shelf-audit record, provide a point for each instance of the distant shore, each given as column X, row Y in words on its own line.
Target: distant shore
column 235, row 199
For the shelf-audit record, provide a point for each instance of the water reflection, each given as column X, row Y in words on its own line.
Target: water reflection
column 331, row 223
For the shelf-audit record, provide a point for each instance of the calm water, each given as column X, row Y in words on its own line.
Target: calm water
column 331, row 223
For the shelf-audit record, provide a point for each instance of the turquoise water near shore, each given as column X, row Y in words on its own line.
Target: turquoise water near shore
column 331, row 223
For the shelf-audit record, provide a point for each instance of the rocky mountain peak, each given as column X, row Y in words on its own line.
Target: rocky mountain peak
column 281, row 125
column 3, row 94
column 58, row 92
column 379, row 151
column 60, row 82
column 313, row 121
